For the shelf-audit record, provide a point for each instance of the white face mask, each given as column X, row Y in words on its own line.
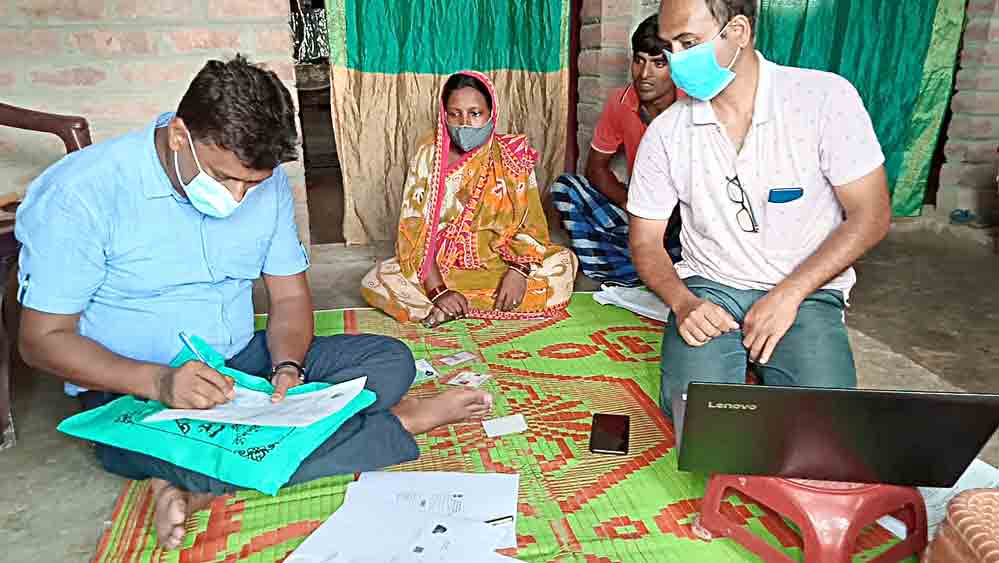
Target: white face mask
column 205, row 193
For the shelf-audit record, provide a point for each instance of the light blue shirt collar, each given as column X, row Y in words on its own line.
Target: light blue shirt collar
column 159, row 185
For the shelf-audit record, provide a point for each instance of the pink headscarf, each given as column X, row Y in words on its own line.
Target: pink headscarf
column 443, row 148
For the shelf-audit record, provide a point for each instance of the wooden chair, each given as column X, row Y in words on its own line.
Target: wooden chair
column 75, row 134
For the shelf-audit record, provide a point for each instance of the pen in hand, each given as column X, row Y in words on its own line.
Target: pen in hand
column 201, row 358
column 190, row 346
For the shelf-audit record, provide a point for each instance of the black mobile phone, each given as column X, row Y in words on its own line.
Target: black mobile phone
column 609, row 434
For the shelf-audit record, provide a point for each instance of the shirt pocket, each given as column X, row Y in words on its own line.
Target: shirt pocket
column 243, row 259
column 785, row 218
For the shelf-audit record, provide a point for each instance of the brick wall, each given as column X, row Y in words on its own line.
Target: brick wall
column 121, row 62
column 968, row 177
column 605, row 60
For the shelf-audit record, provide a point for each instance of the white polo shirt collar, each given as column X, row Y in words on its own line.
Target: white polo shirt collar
column 702, row 113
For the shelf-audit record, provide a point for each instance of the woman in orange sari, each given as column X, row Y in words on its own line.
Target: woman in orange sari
column 473, row 239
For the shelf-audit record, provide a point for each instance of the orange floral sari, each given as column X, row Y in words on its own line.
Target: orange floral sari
column 473, row 217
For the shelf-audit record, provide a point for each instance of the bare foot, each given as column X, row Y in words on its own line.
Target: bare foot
column 173, row 506
column 421, row 415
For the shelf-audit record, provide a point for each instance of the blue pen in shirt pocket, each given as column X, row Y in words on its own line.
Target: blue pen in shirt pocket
column 785, row 195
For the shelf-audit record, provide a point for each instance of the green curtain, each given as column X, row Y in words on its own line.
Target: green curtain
column 901, row 56
column 389, row 59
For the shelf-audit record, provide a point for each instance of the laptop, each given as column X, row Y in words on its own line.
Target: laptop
column 910, row 438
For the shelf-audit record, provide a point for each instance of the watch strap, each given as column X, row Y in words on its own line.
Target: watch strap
column 289, row 363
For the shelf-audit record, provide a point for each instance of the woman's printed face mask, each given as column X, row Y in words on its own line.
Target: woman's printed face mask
column 470, row 138
column 469, row 121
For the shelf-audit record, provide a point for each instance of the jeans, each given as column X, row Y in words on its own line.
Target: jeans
column 815, row 351
column 369, row 440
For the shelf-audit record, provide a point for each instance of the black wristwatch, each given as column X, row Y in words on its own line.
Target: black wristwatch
column 292, row 363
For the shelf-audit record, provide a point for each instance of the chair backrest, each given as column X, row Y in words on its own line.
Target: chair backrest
column 75, row 134
column 73, row 130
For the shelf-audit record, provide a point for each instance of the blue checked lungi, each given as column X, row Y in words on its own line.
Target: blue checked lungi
column 598, row 230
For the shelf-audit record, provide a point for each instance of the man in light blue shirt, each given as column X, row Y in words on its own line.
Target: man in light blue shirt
column 128, row 243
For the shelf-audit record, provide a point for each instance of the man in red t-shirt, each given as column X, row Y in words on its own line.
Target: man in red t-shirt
column 593, row 207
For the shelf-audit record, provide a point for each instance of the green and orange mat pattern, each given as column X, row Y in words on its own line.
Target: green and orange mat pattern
column 574, row 505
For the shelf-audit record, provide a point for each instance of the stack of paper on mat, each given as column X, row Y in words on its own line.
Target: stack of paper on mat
column 638, row 300
column 249, row 442
column 402, row 517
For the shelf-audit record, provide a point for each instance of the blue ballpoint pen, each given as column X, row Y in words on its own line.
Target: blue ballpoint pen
column 187, row 342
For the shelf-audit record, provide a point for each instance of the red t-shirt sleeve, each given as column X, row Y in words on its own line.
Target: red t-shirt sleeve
column 607, row 137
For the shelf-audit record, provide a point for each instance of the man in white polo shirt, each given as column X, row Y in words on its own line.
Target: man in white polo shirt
column 779, row 178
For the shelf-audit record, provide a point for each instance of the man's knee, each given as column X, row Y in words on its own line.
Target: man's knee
column 395, row 363
column 816, row 352
column 823, row 360
column 367, row 347
column 381, row 355
column 722, row 360
column 396, row 351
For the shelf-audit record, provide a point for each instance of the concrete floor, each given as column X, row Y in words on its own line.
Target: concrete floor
column 925, row 316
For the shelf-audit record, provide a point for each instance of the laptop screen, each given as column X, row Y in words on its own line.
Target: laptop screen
column 868, row 436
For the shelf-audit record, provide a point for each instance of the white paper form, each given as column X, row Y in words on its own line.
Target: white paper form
column 483, row 497
column 255, row 407
column 383, row 533
column 502, row 426
column 637, row 300
column 445, row 539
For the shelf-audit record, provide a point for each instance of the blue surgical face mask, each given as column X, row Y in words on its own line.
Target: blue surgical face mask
column 696, row 70
column 205, row 193
column 470, row 138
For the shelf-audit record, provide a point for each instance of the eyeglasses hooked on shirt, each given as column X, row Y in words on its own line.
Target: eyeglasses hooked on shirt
column 745, row 215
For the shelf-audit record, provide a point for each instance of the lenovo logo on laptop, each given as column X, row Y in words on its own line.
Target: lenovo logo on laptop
column 732, row 406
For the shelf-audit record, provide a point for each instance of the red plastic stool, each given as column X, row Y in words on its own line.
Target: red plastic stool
column 830, row 515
